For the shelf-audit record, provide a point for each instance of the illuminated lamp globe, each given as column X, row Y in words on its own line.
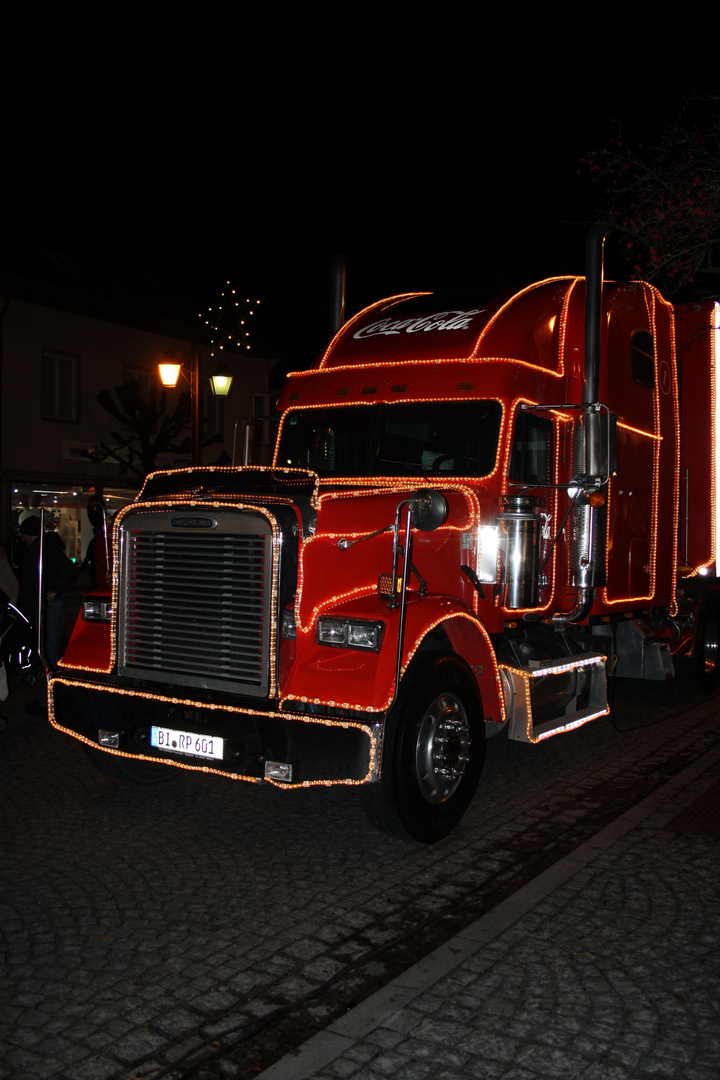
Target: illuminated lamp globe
column 221, row 381
column 169, row 373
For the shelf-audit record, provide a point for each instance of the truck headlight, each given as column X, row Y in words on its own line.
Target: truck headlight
column 97, row 609
column 350, row 633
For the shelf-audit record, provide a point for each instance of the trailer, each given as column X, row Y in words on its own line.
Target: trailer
column 475, row 511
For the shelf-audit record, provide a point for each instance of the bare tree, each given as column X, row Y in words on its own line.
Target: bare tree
column 147, row 430
column 664, row 198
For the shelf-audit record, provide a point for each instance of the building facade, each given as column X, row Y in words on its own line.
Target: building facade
column 59, row 447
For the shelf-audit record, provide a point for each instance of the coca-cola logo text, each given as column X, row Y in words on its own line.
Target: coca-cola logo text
column 441, row 320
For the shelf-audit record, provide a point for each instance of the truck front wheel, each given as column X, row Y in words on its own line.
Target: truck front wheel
column 433, row 756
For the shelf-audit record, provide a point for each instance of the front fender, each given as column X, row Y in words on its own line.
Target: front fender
column 338, row 677
column 469, row 640
column 90, row 644
column 351, row 679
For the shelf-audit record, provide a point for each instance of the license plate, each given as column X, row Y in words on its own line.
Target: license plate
column 187, row 742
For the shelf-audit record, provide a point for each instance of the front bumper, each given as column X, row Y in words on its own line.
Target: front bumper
column 320, row 750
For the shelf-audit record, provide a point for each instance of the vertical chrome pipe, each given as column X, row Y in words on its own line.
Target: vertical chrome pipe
column 107, row 545
column 246, row 442
column 41, row 598
column 403, row 593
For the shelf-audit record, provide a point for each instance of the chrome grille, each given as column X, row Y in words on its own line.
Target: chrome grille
column 196, row 605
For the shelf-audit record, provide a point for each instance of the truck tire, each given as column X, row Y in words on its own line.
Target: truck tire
column 128, row 770
column 434, row 753
column 706, row 654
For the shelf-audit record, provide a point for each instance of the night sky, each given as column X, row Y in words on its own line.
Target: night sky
column 436, row 145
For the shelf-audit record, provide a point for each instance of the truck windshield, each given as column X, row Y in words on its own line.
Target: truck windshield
column 449, row 438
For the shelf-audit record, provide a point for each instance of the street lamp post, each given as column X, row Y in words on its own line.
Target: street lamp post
column 195, row 406
column 170, row 369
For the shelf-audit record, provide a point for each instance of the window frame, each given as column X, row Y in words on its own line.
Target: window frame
column 526, row 418
column 642, row 360
column 55, row 414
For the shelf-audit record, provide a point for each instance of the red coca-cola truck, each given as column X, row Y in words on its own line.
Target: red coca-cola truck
column 475, row 511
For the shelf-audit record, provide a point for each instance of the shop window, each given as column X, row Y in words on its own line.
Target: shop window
column 60, row 386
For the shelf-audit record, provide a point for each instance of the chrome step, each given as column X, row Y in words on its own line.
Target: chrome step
column 542, row 699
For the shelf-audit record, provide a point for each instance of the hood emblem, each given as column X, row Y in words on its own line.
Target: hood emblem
column 193, row 523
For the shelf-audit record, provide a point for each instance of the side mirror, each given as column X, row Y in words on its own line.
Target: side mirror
column 429, row 509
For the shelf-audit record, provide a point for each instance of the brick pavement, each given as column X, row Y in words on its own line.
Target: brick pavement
column 607, row 967
column 134, row 923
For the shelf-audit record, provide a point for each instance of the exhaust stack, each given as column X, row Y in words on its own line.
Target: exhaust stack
column 594, row 275
column 591, row 450
column 337, row 293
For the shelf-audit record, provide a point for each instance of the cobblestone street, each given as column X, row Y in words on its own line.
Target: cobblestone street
column 138, row 923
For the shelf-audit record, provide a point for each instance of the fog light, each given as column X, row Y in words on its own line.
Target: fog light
column 109, row 738
column 278, row 770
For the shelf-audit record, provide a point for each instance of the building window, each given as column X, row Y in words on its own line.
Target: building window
column 145, row 380
column 60, row 386
column 212, row 415
column 260, row 418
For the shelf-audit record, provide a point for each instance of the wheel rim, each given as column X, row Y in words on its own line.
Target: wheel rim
column 443, row 748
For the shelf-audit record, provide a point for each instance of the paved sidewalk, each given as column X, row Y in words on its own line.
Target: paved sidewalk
column 605, row 967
